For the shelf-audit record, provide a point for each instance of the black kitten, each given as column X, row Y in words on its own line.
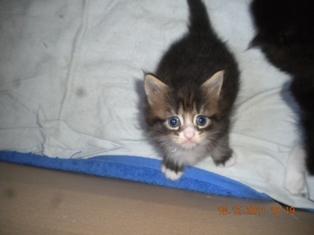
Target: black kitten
column 285, row 33
column 191, row 95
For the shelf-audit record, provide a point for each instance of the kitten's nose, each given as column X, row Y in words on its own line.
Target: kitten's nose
column 189, row 132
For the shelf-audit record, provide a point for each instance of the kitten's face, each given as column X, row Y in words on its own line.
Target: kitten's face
column 183, row 118
column 187, row 128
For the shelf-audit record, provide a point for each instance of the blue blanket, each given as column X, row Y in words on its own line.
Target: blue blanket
column 139, row 169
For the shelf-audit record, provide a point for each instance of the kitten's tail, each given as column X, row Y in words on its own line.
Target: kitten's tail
column 199, row 20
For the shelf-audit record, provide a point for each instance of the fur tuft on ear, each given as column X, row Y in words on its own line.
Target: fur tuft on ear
column 212, row 86
column 155, row 89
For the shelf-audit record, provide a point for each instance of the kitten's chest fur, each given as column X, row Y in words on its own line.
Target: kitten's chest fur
column 186, row 157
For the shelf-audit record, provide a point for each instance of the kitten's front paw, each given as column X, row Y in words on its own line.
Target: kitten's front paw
column 171, row 174
column 229, row 162
column 223, row 156
column 224, row 160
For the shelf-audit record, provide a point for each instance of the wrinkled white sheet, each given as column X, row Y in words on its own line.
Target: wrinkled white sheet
column 68, row 71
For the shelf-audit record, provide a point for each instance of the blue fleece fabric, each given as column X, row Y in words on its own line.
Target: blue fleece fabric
column 140, row 170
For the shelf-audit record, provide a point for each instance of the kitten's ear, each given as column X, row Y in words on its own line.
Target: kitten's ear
column 155, row 89
column 212, row 86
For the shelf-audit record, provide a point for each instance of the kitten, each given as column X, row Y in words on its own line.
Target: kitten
column 285, row 34
column 190, row 97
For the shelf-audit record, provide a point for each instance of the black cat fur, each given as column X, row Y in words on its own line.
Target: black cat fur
column 285, row 33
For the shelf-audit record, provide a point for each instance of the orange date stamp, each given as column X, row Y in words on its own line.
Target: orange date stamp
column 256, row 210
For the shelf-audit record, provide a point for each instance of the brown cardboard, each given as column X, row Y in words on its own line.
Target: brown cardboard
column 38, row 201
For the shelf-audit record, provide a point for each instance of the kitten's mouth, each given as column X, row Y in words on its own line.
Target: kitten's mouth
column 188, row 144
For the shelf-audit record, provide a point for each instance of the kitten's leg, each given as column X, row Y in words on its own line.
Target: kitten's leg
column 172, row 170
column 222, row 154
column 295, row 171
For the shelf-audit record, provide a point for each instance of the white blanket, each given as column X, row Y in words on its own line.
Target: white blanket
column 67, row 83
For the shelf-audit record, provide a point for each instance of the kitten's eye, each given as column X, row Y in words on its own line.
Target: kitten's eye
column 173, row 123
column 201, row 121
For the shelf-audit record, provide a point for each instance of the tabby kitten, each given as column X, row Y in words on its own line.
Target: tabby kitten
column 190, row 97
